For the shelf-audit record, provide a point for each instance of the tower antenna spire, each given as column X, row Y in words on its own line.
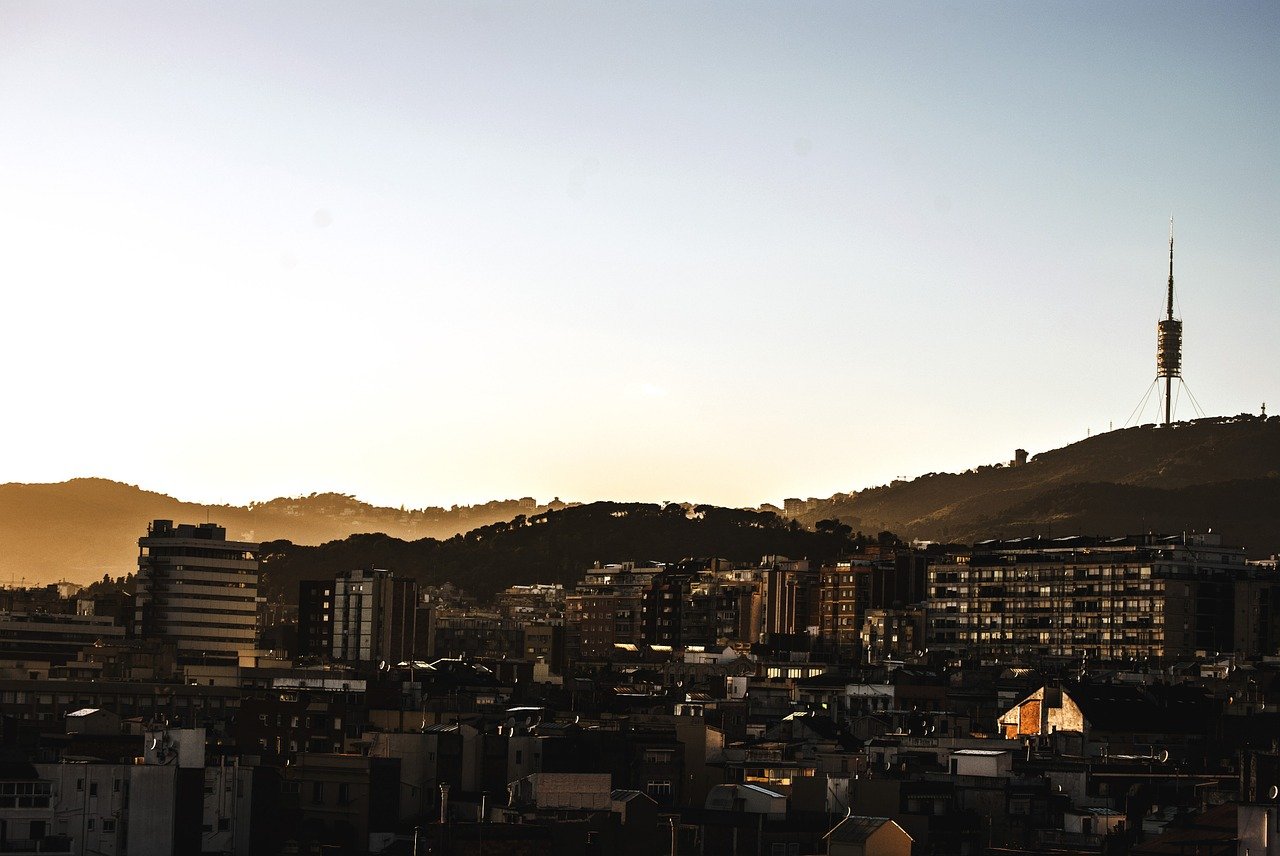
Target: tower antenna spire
column 1169, row 342
column 1168, row 352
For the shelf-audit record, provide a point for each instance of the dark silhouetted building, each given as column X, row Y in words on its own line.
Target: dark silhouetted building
column 198, row 590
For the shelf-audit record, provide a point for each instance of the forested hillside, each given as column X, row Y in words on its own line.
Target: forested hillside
column 1212, row 473
column 557, row 546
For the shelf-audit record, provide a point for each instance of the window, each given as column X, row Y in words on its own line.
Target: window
column 93, row 789
column 108, row 825
column 658, row 789
column 317, row 792
column 89, row 824
column 344, row 793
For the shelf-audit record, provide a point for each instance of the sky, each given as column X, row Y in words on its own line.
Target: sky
column 443, row 252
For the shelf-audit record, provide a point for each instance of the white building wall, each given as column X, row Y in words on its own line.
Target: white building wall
column 88, row 805
column 151, row 810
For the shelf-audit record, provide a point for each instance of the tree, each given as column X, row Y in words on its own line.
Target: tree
column 833, row 527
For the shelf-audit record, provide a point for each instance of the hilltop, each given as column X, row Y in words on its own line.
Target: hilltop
column 83, row 528
column 1210, row 473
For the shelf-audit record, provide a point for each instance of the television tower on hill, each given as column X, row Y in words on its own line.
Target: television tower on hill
column 1169, row 343
column 1168, row 354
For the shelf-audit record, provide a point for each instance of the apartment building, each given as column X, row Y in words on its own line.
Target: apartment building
column 1145, row 596
column 608, row 607
column 375, row 618
column 198, row 590
column 843, row 597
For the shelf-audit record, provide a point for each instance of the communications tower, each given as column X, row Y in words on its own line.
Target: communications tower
column 1168, row 357
column 1169, row 343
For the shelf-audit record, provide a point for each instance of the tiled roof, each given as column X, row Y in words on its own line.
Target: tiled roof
column 856, row 829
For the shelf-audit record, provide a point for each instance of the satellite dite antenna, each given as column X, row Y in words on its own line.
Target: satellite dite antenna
column 1168, row 356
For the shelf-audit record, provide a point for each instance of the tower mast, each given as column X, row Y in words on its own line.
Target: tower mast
column 1168, row 380
column 1169, row 342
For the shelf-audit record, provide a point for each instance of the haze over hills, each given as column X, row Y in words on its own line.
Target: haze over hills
column 1218, row 473
column 80, row 529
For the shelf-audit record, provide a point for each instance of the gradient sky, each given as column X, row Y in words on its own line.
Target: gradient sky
column 433, row 253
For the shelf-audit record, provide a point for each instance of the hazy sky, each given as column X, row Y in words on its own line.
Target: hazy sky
column 430, row 253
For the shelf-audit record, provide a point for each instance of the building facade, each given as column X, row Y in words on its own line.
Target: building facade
column 315, row 618
column 375, row 618
column 1095, row 598
column 842, row 604
column 198, row 590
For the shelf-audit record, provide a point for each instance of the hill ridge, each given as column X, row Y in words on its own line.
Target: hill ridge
column 1216, row 473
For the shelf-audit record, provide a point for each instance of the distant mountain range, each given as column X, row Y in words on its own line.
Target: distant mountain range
column 83, row 528
column 1222, row 474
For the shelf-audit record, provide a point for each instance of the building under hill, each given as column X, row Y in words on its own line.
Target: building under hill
column 1097, row 598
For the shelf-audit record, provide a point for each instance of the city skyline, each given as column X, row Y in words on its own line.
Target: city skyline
column 727, row 254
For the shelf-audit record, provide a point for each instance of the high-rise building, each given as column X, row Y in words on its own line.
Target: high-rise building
column 315, row 618
column 375, row 618
column 842, row 603
column 789, row 599
column 197, row 590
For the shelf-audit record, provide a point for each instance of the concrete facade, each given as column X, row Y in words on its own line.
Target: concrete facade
column 198, row 590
